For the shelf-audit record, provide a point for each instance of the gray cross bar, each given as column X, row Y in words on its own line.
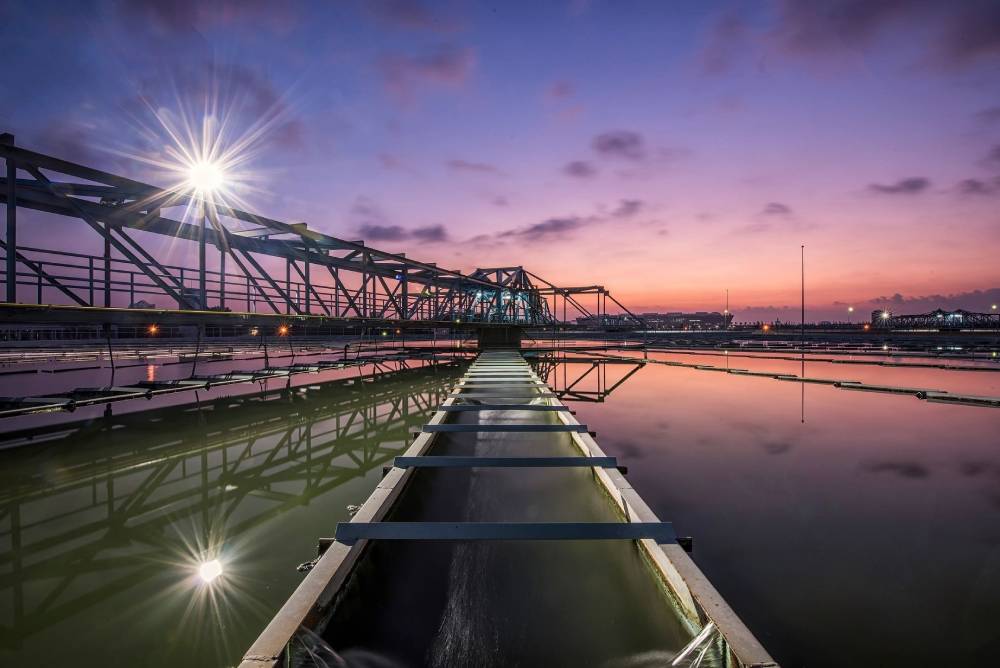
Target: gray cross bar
column 442, row 461
column 433, row 428
column 462, row 408
column 349, row 532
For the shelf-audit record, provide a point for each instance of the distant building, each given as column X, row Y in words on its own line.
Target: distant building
column 701, row 320
column 606, row 322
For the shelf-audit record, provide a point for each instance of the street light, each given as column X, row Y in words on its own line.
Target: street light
column 205, row 176
column 850, row 310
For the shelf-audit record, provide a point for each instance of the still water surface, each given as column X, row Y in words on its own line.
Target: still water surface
column 846, row 528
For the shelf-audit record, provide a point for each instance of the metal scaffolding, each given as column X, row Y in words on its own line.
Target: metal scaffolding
column 263, row 265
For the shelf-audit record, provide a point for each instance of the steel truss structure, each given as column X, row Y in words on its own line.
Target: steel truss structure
column 245, row 469
column 936, row 320
column 261, row 265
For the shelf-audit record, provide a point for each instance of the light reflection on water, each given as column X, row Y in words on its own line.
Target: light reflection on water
column 104, row 533
column 867, row 535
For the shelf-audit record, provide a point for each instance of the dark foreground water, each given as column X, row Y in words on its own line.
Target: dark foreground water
column 846, row 528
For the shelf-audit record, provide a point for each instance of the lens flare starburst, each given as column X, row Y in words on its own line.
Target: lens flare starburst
column 200, row 147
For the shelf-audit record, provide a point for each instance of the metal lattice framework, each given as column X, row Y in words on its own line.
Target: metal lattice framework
column 324, row 277
column 936, row 320
column 275, row 458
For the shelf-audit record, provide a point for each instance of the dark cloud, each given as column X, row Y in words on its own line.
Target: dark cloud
column 975, row 468
column 754, row 228
column 776, row 209
column 445, row 64
column 971, row 32
column 561, row 90
column 430, row 234
column 904, row 469
column 623, row 144
column 424, row 235
column 580, row 169
column 909, row 186
column 727, row 41
column 371, row 232
column 972, row 300
column 948, row 34
column 989, row 115
column 180, row 16
column 553, row 228
column 474, row 167
column 627, row 208
column 628, row 449
column 810, row 27
column 776, row 447
column 410, row 14
column 993, row 157
column 388, row 160
column 978, row 187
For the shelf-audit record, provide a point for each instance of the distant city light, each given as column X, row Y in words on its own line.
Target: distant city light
column 152, row 329
column 885, row 315
column 994, row 307
column 205, row 176
column 767, row 327
column 210, row 570
column 867, row 326
column 282, row 330
column 850, row 309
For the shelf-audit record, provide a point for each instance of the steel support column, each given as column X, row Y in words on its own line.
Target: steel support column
column 11, row 230
column 202, row 282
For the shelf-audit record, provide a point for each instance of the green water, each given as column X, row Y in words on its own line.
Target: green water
column 103, row 525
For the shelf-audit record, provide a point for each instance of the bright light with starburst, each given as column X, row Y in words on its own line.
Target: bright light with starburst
column 206, row 177
column 209, row 571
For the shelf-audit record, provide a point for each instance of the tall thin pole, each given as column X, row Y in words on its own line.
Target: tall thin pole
column 803, row 321
column 803, row 334
column 11, row 229
column 202, row 282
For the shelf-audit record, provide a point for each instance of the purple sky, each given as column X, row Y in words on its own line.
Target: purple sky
column 668, row 150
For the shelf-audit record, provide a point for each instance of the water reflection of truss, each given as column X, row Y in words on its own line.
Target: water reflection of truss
column 580, row 377
column 102, row 503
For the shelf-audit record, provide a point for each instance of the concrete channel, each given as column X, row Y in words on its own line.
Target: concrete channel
column 505, row 536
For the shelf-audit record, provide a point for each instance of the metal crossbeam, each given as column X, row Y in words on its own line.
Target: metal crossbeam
column 350, row 532
column 502, row 395
column 438, row 428
column 442, row 461
column 463, row 408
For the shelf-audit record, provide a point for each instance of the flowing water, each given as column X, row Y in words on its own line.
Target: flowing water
column 845, row 527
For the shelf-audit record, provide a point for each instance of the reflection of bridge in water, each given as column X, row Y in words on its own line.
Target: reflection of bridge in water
column 104, row 508
column 98, row 498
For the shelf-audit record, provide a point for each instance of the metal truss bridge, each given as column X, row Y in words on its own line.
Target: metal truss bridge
column 281, row 450
column 263, row 272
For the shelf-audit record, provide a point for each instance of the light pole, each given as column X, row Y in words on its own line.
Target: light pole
column 850, row 317
column 725, row 314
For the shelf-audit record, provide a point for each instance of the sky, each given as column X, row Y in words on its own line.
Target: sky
column 667, row 150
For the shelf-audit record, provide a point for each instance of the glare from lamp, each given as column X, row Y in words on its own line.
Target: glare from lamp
column 210, row 570
column 205, row 176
